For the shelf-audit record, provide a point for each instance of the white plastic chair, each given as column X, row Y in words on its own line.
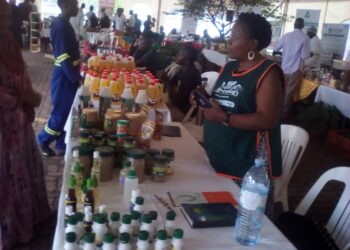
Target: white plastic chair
column 294, row 141
column 212, row 77
column 338, row 224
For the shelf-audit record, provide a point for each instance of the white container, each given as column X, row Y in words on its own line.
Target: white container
column 124, row 242
column 131, row 183
column 127, row 99
column 125, row 226
column 89, row 242
column 99, row 228
column 70, row 242
column 177, row 240
column 147, row 226
column 134, row 194
column 141, row 97
column 114, row 223
column 72, row 225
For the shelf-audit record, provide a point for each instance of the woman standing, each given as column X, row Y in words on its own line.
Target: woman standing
column 23, row 197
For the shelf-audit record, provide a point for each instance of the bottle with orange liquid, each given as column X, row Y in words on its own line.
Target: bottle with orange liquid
column 95, row 85
column 152, row 94
column 104, row 80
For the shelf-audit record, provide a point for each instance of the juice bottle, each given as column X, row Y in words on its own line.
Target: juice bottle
column 104, row 80
column 88, row 78
column 77, row 172
column 95, row 86
column 152, row 93
column 103, row 65
column 114, row 88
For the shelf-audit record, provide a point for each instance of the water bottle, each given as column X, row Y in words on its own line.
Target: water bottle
column 254, row 191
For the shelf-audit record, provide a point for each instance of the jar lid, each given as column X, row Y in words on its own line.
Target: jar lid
column 108, row 238
column 123, row 122
column 72, row 220
column 146, row 218
column 139, row 200
column 99, row 218
column 162, row 159
column 105, row 151
column 89, row 238
column 115, row 216
column 131, row 173
column 178, row 233
column 135, row 215
column 84, row 150
column 170, row 215
column 71, row 237
column 124, row 238
column 143, row 235
column 153, row 151
column 136, row 153
column 153, row 214
column 126, row 219
column 161, row 235
column 98, row 136
column 80, row 216
column 168, row 152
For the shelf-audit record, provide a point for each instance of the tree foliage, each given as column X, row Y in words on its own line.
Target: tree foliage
column 215, row 10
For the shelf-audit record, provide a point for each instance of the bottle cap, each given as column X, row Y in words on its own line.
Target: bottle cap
column 136, row 153
column 72, row 220
column 72, row 183
column 124, row 238
column 146, row 218
column 143, row 235
column 153, row 152
column 139, row 200
column 71, row 237
column 178, row 233
column 259, row 162
column 76, row 153
column 99, row 218
column 153, row 214
column 168, row 152
column 89, row 238
column 135, row 215
column 115, row 216
column 126, row 219
column 80, row 216
column 162, row 235
column 170, row 215
column 131, row 173
column 105, row 151
column 96, row 154
column 108, row 238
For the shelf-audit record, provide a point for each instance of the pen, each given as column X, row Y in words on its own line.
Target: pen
column 164, row 203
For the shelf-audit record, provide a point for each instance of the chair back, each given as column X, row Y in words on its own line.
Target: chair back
column 338, row 224
column 212, row 77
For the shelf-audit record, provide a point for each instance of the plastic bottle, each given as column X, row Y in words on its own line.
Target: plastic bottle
column 114, row 88
column 134, row 195
column 71, row 224
column 104, row 82
column 95, row 188
column 154, row 215
column 147, row 226
column 88, row 222
column 89, row 198
column 70, row 243
column 254, row 191
column 142, row 241
column 96, row 165
column 177, row 241
column 95, row 85
column 80, row 224
column 139, row 204
column 108, row 242
column 152, row 94
column 68, row 212
column 170, row 222
column 89, row 242
column 88, row 78
column 161, row 241
column 135, row 223
column 131, row 183
column 123, row 173
column 125, row 226
column 102, row 209
column 127, row 100
column 105, row 102
column 84, row 96
column 124, row 242
column 77, row 172
column 141, row 99
column 99, row 227
column 114, row 223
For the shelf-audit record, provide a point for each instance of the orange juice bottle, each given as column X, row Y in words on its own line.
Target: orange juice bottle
column 104, row 80
column 95, row 85
column 88, row 78
column 114, row 88
column 160, row 92
column 152, row 94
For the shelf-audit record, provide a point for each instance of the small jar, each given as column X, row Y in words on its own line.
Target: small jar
column 129, row 142
column 135, row 123
column 122, row 127
column 99, row 139
column 137, row 159
column 149, row 161
column 85, row 157
column 89, row 118
column 84, row 137
column 111, row 120
column 170, row 154
column 160, row 168
column 107, row 161
column 112, row 141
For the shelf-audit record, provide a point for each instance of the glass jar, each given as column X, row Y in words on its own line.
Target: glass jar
column 149, row 161
column 170, row 154
column 137, row 159
column 84, row 137
column 107, row 160
column 99, row 139
column 89, row 118
column 135, row 122
column 160, row 168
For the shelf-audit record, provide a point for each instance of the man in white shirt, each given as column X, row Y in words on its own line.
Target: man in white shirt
column 119, row 20
column 77, row 22
column 296, row 49
column 131, row 22
column 314, row 62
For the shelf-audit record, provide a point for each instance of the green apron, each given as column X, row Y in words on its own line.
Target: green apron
column 231, row 151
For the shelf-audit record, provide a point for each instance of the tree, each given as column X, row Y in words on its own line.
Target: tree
column 215, row 10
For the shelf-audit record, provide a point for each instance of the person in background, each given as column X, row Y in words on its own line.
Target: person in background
column 149, row 23
column 64, row 79
column 23, row 198
column 314, row 61
column 131, row 23
column 173, row 31
column 295, row 48
column 105, row 22
column 137, row 27
column 161, row 34
column 119, row 20
column 146, row 54
column 247, row 101
column 207, row 38
column 77, row 22
column 16, row 22
column 25, row 9
column 33, row 6
column 183, row 79
column 92, row 21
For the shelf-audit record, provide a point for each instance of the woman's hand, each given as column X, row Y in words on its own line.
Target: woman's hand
column 214, row 114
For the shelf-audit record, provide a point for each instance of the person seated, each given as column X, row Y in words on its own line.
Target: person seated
column 146, row 54
column 183, row 79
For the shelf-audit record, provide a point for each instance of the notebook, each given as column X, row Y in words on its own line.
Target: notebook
column 178, row 198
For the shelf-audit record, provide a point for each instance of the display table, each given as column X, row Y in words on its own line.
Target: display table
column 306, row 87
column 334, row 97
column 192, row 173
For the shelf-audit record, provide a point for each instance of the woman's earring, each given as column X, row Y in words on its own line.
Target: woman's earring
column 251, row 55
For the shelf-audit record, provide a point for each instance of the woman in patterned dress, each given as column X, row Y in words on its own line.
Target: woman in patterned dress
column 23, row 197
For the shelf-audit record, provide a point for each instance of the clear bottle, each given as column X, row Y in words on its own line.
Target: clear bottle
column 140, row 100
column 147, row 225
column 177, row 241
column 131, row 183
column 123, row 173
column 108, row 242
column 77, row 172
column 139, row 201
column 96, row 165
column 89, row 242
column 125, row 226
column 99, row 227
column 161, row 241
column 252, row 202
column 142, row 241
column 134, row 195
column 114, row 223
column 152, row 94
column 124, row 242
column 170, row 222
column 94, row 186
column 135, row 223
column 70, row 242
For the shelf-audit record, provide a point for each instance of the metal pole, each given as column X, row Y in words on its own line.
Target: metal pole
column 159, row 13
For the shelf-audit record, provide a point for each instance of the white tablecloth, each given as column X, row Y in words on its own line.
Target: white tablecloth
column 334, row 97
column 192, row 174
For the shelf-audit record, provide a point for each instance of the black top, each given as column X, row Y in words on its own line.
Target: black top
column 105, row 23
column 148, row 25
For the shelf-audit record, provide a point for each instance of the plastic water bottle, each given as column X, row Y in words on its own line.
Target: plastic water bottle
column 254, row 191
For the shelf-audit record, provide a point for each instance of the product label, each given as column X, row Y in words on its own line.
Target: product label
column 251, row 200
